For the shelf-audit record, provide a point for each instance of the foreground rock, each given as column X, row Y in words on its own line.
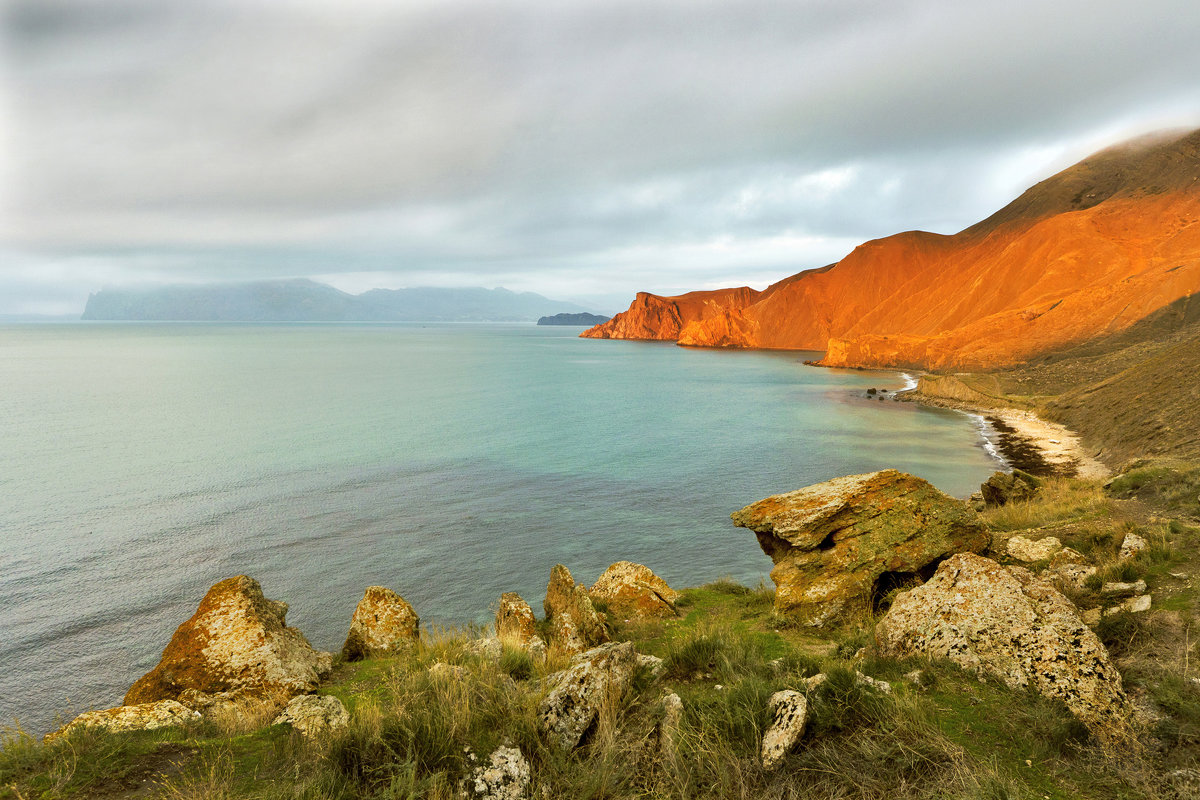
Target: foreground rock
column 1007, row 623
column 516, row 626
column 1070, row 569
column 1009, row 487
column 849, row 540
column 383, row 623
column 598, row 677
column 314, row 715
column 140, row 717
column 1031, row 550
column 789, row 714
column 634, row 591
column 575, row 625
column 504, row 777
column 235, row 642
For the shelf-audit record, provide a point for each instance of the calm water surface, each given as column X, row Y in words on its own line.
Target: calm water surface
column 140, row 464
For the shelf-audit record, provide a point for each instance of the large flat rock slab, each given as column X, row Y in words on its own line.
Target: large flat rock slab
column 841, row 543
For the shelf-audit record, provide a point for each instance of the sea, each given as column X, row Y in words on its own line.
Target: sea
column 142, row 462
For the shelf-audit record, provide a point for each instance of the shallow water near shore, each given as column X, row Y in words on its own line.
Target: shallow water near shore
column 141, row 463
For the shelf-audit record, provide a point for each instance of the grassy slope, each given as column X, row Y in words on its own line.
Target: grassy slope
column 949, row 735
column 1130, row 394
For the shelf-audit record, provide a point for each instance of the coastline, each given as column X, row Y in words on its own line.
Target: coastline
column 1022, row 439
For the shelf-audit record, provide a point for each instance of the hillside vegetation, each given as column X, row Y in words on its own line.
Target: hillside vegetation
column 940, row 732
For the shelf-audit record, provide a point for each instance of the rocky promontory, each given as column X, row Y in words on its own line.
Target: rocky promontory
column 580, row 319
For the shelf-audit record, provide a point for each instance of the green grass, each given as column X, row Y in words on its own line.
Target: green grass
column 951, row 735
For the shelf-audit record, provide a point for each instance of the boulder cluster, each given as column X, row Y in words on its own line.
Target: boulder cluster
column 237, row 653
column 887, row 541
column 884, row 541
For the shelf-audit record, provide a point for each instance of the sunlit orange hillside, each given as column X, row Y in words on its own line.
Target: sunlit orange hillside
column 1086, row 252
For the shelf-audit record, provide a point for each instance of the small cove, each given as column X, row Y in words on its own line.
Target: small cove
column 141, row 463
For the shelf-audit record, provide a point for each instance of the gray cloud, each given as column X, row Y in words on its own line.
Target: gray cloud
column 591, row 147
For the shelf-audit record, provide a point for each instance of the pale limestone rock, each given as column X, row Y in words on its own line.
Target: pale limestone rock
column 140, row 717
column 653, row 663
column 383, row 624
column 789, row 714
column 873, row 683
column 235, row 642
column 1134, row 605
column 1132, row 544
column 598, row 676
column 488, row 647
column 575, row 625
column 669, row 724
column 314, row 715
column 634, row 591
column 450, row 673
column 1006, row 623
column 505, row 776
column 1118, row 589
column 1091, row 617
column 811, row 683
column 1069, row 569
column 1030, row 550
column 838, row 544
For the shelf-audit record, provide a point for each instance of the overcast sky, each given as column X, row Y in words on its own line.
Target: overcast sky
column 584, row 150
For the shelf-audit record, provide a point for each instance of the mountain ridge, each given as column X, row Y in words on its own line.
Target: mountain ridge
column 303, row 300
column 1085, row 252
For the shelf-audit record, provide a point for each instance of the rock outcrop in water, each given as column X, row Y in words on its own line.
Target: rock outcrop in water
column 852, row 540
column 1088, row 251
column 236, row 642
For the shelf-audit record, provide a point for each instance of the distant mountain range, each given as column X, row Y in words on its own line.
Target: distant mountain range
column 308, row 301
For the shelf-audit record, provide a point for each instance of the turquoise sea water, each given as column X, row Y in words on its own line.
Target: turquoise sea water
column 141, row 463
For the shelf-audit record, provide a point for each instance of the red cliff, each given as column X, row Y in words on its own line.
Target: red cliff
column 1088, row 251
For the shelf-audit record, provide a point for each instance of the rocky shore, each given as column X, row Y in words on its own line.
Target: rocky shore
column 890, row 599
column 1025, row 441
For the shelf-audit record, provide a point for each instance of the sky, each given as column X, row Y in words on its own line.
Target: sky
column 583, row 150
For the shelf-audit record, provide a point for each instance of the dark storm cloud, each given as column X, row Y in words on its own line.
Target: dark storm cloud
column 592, row 146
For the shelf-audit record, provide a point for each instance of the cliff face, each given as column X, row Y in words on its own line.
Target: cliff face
column 653, row 317
column 1086, row 252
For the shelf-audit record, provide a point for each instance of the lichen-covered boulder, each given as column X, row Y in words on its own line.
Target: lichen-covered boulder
column 516, row 626
column 1009, row 487
column 314, row 715
column 1007, row 623
column 575, row 625
column 1131, row 545
column 1031, row 550
column 235, row 642
column 599, row 676
column 789, row 715
column 1069, row 569
column 505, row 776
column 140, row 717
column 383, row 623
column 632, row 590
column 842, row 542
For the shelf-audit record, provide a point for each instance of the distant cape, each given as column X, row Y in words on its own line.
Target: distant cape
column 573, row 319
column 307, row 301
